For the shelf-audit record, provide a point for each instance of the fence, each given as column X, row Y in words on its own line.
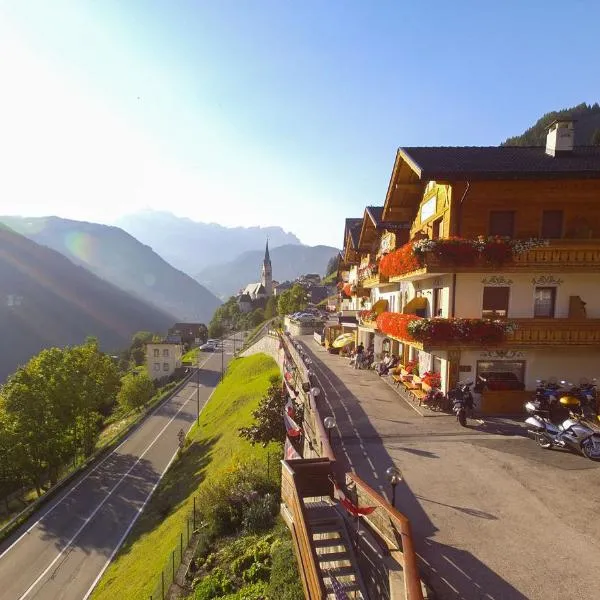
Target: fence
column 193, row 525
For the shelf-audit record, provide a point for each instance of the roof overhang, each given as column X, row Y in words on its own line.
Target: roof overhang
column 405, row 190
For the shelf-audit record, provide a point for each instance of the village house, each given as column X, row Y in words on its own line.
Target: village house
column 163, row 358
column 483, row 263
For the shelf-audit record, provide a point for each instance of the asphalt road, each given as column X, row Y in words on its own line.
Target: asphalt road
column 63, row 549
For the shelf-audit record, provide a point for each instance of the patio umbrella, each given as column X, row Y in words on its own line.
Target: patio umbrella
column 343, row 340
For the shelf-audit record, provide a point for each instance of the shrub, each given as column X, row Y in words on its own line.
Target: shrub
column 260, row 514
column 256, row 572
column 213, row 585
column 284, row 583
column 256, row 591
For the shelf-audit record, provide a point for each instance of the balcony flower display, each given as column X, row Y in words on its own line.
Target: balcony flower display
column 443, row 331
column 347, row 290
column 368, row 271
column 366, row 316
column 455, row 251
column 432, row 379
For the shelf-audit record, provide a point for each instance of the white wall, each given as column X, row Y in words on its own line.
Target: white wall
column 469, row 293
column 172, row 361
column 563, row 363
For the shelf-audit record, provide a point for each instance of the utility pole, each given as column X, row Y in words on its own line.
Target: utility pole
column 198, row 386
column 222, row 356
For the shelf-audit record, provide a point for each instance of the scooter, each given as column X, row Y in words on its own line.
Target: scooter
column 460, row 396
column 571, row 433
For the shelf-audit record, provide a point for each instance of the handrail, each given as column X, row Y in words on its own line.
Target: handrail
column 307, row 554
column 397, row 524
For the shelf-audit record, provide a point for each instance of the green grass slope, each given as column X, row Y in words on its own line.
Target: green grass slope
column 215, row 448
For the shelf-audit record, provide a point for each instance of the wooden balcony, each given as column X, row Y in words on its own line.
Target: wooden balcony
column 560, row 256
column 555, row 332
column 374, row 281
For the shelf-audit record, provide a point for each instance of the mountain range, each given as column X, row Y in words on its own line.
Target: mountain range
column 46, row 300
column 191, row 246
column 288, row 262
column 120, row 259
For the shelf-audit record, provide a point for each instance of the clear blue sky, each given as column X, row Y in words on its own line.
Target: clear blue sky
column 267, row 112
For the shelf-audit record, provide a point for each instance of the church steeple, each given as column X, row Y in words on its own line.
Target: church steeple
column 266, row 273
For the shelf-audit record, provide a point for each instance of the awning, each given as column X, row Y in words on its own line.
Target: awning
column 343, row 340
column 415, row 304
column 380, row 306
column 349, row 325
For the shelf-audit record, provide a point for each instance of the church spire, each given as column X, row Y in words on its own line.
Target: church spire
column 267, row 274
column 267, row 257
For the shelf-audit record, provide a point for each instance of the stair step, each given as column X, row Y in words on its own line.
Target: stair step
column 332, row 556
column 326, row 528
column 339, row 572
column 348, row 587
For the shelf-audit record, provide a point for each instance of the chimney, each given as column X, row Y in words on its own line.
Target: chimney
column 561, row 137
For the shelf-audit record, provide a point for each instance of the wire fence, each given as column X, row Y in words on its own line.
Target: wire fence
column 192, row 525
column 169, row 570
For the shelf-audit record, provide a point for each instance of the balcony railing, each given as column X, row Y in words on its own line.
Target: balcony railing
column 556, row 255
column 555, row 332
column 429, row 334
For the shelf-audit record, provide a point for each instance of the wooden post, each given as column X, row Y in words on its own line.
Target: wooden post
column 162, row 577
column 181, row 547
column 173, row 563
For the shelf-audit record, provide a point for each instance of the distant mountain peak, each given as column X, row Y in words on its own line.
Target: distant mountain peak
column 192, row 245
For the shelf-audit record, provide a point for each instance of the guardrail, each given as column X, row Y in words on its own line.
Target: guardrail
column 394, row 528
column 305, row 551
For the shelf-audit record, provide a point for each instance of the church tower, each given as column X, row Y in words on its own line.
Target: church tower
column 267, row 274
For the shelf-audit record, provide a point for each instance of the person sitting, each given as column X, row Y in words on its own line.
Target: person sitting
column 383, row 364
column 392, row 362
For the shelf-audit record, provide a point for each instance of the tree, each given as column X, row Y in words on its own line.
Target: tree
column 332, row 265
column 10, row 475
column 136, row 390
column 271, row 307
column 596, row 138
column 215, row 329
column 138, row 341
column 257, row 317
column 268, row 426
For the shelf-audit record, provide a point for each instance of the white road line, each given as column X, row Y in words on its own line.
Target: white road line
column 91, row 471
column 68, row 545
column 138, row 513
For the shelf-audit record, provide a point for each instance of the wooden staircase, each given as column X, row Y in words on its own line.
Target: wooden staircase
column 332, row 543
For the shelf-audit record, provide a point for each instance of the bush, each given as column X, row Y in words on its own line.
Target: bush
column 260, row 514
column 213, row 585
column 285, row 580
column 256, row 591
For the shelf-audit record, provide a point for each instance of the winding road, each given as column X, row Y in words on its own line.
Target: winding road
column 63, row 549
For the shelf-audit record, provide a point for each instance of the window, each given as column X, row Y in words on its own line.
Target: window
column 156, row 352
column 544, row 302
column 438, row 302
column 438, row 229
column 552, row 224
column 501, row 374
column 392, row 303
column 502, row 222
column 166, row 352
column 495, row 302
column 165, row 366
column 157, row 366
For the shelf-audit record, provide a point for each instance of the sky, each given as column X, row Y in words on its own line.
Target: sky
column 267, row 112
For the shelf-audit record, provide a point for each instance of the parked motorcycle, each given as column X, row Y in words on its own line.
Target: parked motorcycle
column 461, row 399
column 548, row 427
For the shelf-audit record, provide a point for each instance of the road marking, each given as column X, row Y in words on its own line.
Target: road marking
column 70, row 542
column 138, row 513
column 59, row 502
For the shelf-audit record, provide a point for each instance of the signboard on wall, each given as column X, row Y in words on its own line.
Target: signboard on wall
column 387, row 242
column 465, row 368
column 428, row 208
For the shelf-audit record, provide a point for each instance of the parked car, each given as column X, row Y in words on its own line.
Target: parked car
column 208, row 347
column 499, row 380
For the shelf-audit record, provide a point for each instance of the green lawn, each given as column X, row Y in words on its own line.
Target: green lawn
column 215, row 447
column 190, row 356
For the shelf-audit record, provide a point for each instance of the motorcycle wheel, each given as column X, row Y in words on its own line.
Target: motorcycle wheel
column 543, row 440
column 462, row 418
column 585, row 449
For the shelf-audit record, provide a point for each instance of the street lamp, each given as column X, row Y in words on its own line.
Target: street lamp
column 394, row 477
column 329, row 423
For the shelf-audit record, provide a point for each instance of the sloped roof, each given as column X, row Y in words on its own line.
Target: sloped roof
column 353, row 226
column 253, row 289
column 501, row 162
column 376, row 215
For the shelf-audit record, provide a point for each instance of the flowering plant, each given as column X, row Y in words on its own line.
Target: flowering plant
column 458, row 251
column 367, row 271
column 347, row 290
column 413, row 328
column 432, row 379
column 367, row 315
